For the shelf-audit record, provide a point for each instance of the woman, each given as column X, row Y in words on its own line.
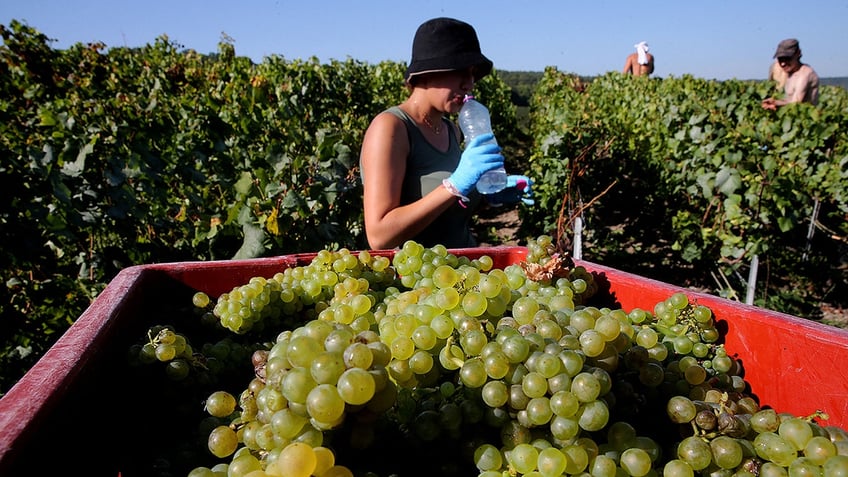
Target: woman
column 418, row 184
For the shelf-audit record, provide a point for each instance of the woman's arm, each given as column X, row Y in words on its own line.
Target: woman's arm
column 384, row 153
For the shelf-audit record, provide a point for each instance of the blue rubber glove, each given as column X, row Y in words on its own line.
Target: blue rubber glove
column 518, row 188
column 476, row 159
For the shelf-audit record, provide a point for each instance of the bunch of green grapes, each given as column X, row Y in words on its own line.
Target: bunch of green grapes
column 295, row 291
column 512, row 370
column 737, row 436
column 165, row 345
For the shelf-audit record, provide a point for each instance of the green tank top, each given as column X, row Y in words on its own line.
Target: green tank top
column 426, row 167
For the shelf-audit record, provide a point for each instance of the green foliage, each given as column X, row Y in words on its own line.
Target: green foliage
column 116, row 157
column 697, row 164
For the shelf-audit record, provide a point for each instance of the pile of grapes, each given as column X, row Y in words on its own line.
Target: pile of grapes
column 428, row 363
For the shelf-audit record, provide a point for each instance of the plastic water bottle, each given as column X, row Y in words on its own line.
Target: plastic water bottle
column 474, row 120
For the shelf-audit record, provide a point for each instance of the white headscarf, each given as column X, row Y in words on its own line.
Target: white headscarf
column 642, row 51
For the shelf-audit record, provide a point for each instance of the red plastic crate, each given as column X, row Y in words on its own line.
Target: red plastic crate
column 69, row 405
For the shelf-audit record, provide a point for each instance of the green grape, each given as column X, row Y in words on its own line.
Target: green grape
column 608, row 327
column 678, row 301
column 220, row 404
column 564, row 403
column 295, row 460
column 497, row 364
column 702, row 314
column 524, row 309
column 560, row 382
column 400, row 371
column 495, row 394
column 442, row 325
column 592, row 343
column 647, row 337
column 326, row 367
column 523, row 458
column 586, row 387
column 473, row 342
column 473, row 373
column 324, row 461
column 302, row 350
column 682, row 345
column 621, row 435
column 297, row 384
column 727, row 453
column 695, row 375
column 819, row 449
column 836, row 466
column 356, row 386
column 796, row 431
column 287, row 423
column 681, row 409
column 325, row 404
column 603, row 466
column 770, row 469
column 722, row 363
column 474, row 303
column 451, row 357
column 147, row 354
column 551, row 462
column 381, row 352
column 222, row 441
column 165, row 352
column 539, row 411
column 549, row 329
column 421, row 362
column 244, row 464
column 678, row 468
column 490, row 285
column 405, row 324
column 516, row 348
column 358, row 355
column 486, row 263
column 534, row 385
column 577, row 459
column 636, row 462
column 270, row 399
column 572, row 362
column 402, row 347
column 804, row 467
column 579, row 285
column 448, row 298
column 488, row 458
column 548, row 365
column 651, row 374
column 564, row 428
column 177, row 369
column 593, row 416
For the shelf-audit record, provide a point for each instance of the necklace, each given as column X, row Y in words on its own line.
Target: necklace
column 436, row 129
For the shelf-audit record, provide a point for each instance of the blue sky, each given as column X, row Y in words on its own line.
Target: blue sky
column 714, row 39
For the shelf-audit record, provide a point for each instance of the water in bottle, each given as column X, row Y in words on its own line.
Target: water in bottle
column 474, row 120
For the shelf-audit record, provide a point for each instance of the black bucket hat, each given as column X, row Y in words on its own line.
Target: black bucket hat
column 446, row 44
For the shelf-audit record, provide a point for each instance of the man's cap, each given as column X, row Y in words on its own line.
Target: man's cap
column 788, row 47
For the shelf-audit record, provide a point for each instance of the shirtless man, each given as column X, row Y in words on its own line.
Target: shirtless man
column 640, row 63
column 802, row 82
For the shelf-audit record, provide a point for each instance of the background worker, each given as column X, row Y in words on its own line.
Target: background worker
column 802, row 82
column 640, row 63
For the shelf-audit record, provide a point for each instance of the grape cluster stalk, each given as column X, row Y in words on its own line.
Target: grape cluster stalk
column 489, row 372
